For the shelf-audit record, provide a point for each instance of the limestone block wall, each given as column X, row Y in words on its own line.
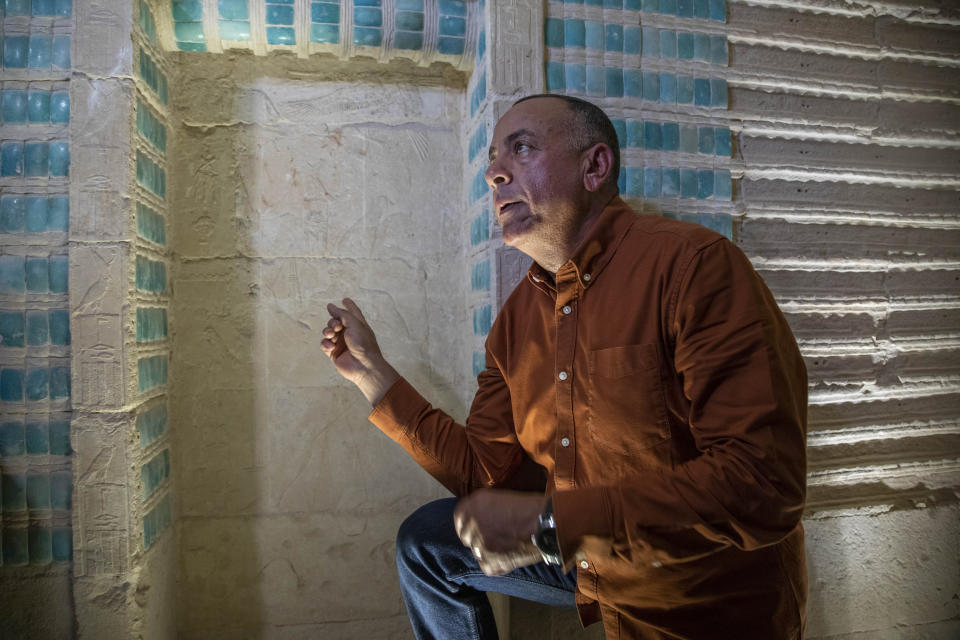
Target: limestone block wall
column 292, row 188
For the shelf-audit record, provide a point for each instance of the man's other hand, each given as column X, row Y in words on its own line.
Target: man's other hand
column 497, row 526
column 351, row 345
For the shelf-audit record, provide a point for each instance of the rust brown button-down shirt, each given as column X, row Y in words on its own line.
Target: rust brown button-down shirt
column 656, row 381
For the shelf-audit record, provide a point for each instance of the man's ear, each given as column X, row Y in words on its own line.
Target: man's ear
column 597, row 165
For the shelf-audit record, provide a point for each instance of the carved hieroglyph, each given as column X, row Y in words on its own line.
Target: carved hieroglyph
column 516, row 55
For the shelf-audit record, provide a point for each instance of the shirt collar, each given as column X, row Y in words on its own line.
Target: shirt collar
column 595, row 251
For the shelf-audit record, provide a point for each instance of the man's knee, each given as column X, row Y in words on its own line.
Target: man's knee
column 430, row 523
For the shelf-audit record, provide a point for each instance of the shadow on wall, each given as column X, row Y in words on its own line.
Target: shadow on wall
column 291, row 189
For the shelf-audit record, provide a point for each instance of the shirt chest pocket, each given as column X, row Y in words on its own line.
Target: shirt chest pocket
column 625, row 409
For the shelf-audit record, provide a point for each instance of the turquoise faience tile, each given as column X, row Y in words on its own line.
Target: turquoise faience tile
column 480, row 228
column 38, row 106
column 15, row 547
column 13, row 487
column 15, row 50
column 327, row 12
column 456, row 27
column 367, row 37
column 62, row 544
column 701, row 9
column 450, row 46
column 151, row 372
column 230, row 10
column 60, row 55
column 59, row 159
column 480, row 276
column 613, row 82
column 634, row 133
column 723, row 185
column 59, row 320
column 724, row 142
column 718, row 10
column 620, row 126
column 482, row 320
column 612, row 4
column 11, row 274
column 61, row 491
column 12, row 441
column 651, row 42
column 17, row 7
column 38, row 542
column 452, row 7
column 38, row 332
column 367, row 17
column 192, row 10
column 651, row 85
column 189, row 32
column 58, row 213
column 594, row 80
column 279, row 14
column 701, row 46
column 152, row 424
column 634, row 181
column 234, row 30
column 668, row 7
column 671, row 136
column 718, row 93
column 576, row 78
column 652, row 135
column 38, row 491
column 632, row 40
column 613, row 37
column 197, row 47
column 574, row 33
column 411, row 40
column 36, row 214
column 670, row 183
column 60, row 446
column 622, row 181
column 689, row 139
column 39, row 51
column 479, row 362
column 281, row 35
column 409, row 5
column 413, row 21
column 12, row 328
column 701, row 92
column 555, row 76
column 36, row 159
column 718, row 50
column 37, row 438
column 668, row 88
column 684, row 89
column 651, row 182
column 706, row 141
column 14, row 106
column 595, row 3
column 553, row 32
column 632, row 83
column 37, row 273
column 367, row 3
column 668, row 43
column 685, row 45
column 59, row 267
column 64, row 7
column 651, row 6
column 11, row 159
column 13, row 211
column 685, row 8
column 705, row 188
column 633, row 5
column 689, row 183
column 325, row 33
column 11, row 385
column 593, row 35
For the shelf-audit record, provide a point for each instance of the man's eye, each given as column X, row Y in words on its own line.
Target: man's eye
column 521, row 147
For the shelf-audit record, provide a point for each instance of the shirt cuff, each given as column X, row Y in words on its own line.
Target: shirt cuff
column 579, row 513
column 398, row 409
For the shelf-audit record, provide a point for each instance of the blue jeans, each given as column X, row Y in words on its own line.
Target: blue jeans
column 444, row 588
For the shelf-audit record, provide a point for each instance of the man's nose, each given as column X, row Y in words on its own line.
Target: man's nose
column 496, row 174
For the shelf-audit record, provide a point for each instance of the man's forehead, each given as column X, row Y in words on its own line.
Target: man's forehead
column 537, row 116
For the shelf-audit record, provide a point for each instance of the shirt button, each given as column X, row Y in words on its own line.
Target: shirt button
column 565, row 442
column 566, row 310
column 562, row 375
column 584, row 564
column 657, row 564
column 586, row 277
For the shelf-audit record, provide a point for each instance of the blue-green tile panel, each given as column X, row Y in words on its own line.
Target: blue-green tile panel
column 39, row 8
column 151, row 275
column 151, row 324
column 34, row 106
column 478, row 188
column 34, row 383
column 150, row 127
column 33, row 274
column 152, row 372
column 150, row 224
column 478, row 143
column 150, row 175
column 479, row 94
column 325, row 22
column 155, row 79
column 34, row 328
column 155, row 472
column 152, row 424
column 482, row 320
column 188, row 24
column 156, row 521
column 33, row 214
column 480, row 276
column 480, row 228
column 36, row 544
column 38, row 50
column 30, row 159
column 147, row 22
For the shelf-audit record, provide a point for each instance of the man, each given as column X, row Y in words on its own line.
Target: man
column 645, row 369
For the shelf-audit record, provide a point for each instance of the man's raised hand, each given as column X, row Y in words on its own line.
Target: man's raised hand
column 351, row 345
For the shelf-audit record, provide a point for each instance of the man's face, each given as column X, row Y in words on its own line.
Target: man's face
column 535, row 175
